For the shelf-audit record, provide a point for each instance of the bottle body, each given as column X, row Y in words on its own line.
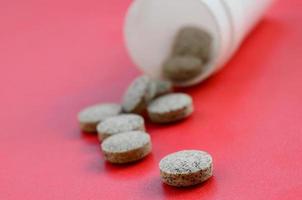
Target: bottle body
column 151, row 26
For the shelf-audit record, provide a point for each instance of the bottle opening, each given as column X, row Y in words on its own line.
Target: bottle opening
column 152, row 25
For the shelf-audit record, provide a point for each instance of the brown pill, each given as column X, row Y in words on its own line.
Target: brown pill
column 186, row 168
column 89, row 117
column 120, row 124
column 126, row 147
column 170, row 108
column 193, row 41
column 182, row 68
column 138, row 94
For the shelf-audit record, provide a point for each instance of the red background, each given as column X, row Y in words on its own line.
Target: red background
column 57, row 56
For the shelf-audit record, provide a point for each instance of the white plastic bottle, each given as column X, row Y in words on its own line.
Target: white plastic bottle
column 151, row 26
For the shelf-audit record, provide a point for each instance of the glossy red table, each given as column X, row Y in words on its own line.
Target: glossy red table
column 59, row 56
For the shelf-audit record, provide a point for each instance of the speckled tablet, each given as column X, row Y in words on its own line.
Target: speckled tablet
column 126, row 147
column 89, row 117
column 170, row 108
column 186, row 168
column 119, row 124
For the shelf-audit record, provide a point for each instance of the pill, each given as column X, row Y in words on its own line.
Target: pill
column 163, row 87
column 186, row 168
column 170, row 108
column 194, row 42
column 119, row 124
column 138, row 94
column 126, row 147
column 182, row 68
column 89, row 117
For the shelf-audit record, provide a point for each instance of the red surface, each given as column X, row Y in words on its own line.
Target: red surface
column 59, row 56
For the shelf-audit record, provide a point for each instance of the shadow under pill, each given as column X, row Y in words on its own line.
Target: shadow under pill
column 90, row 138
column 156, row 189
column 205, row 189
column 150, row 124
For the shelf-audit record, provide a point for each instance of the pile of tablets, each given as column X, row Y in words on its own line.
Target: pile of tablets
column 121, row 127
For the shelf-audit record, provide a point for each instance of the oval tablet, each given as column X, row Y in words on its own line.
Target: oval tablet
column 119, row 124
column 170, row 108
column 92, row 115
column 126, row 147
column 186, row 168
